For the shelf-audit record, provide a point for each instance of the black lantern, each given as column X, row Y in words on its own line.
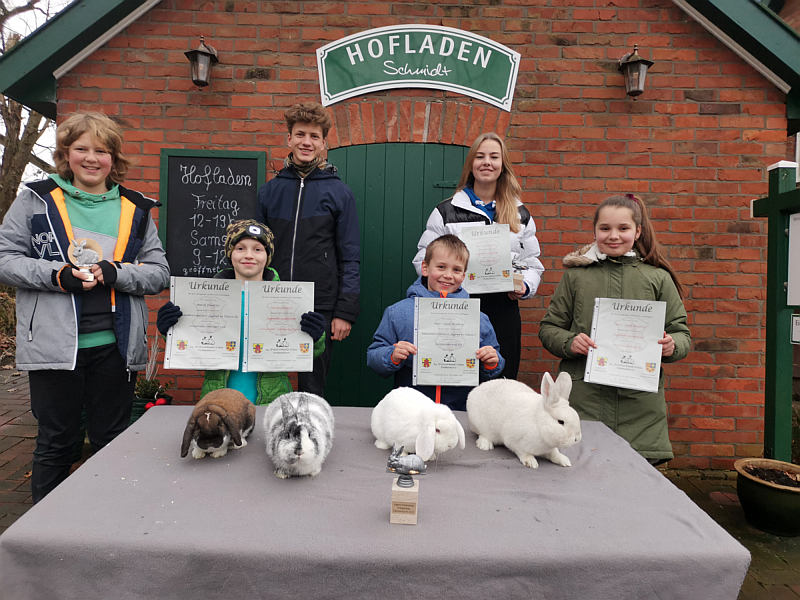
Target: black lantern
column 634, row 70
column 201, row 59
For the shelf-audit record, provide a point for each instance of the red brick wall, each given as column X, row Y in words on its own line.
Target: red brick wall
column 791, row 13
column 694, row 147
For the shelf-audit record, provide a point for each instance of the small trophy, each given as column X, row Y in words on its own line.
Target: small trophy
column 84, row 253
column 405, row 490
column 519, row 279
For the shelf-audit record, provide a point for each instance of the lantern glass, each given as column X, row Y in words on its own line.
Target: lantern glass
column 201, row 68
column 635, row 74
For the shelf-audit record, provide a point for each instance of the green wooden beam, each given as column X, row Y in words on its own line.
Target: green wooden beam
column 759, row 31
column 26, row 71
column 793, row 112
column 783, row 200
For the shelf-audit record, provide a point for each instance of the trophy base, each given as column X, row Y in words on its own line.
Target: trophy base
column 404, row 504
column 87, row 272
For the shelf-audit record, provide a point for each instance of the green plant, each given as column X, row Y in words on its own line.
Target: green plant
column 149, row 388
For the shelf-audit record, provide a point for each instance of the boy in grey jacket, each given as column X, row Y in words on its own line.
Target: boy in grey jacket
column 82, row 251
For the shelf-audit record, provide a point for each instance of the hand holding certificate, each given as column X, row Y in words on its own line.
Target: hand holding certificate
column 626, row 334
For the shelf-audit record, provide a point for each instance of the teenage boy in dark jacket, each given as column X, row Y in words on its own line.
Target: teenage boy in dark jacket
column 312, row 214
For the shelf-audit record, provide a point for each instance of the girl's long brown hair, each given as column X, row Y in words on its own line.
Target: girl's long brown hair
column 647, row 245
column 508, row 188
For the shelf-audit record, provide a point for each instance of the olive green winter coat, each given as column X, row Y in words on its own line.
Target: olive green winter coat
column 639, row 417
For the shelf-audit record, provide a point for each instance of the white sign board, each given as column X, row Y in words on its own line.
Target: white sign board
column 796, row 329
column 793, row 290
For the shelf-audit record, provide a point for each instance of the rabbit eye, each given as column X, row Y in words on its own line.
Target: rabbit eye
column 438, row 431
column 560, row 422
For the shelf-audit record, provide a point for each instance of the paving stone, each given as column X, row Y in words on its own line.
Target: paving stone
column 26, row 431
column 781, row 592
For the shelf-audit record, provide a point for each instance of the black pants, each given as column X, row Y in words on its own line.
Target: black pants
column 314, row 382
column 100, row 383
column 503, row 312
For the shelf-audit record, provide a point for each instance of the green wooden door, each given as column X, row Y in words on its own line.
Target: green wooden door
column 396, row 187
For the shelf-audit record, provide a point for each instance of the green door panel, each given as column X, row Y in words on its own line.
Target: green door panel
column 396, row 187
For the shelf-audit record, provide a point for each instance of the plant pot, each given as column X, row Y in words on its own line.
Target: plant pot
column 768, row 506
column 139, row 406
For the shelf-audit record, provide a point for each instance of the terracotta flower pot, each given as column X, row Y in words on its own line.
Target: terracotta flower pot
column 768, row 506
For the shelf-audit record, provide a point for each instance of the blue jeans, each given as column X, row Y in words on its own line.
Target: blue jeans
column 101, row 384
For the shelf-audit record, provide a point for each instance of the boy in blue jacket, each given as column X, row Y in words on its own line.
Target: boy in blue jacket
column 443, row 272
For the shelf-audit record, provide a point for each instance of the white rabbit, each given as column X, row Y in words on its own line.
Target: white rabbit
column 511, row 414
column 407, row 417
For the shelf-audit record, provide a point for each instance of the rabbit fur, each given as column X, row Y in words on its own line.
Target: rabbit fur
column 222, row 419
column 511, row 414
column 407, row 417
column 298, row 428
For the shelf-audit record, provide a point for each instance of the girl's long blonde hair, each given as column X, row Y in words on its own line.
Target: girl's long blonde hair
column 647, row 245
column 508, row 188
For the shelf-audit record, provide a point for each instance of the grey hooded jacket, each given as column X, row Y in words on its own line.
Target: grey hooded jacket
column 33, row 248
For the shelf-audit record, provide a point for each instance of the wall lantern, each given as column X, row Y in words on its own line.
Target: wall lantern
column 201, row 59
column 634, row 70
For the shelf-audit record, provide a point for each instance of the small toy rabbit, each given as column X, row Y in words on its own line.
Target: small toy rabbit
column 509, row 413
column 83, row 256
column 222, row 419
column 407, row 417
column 298, row 428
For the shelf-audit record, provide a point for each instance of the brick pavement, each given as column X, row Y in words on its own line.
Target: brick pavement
column 774, row 572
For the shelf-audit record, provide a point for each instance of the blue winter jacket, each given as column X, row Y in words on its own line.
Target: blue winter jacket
column 397, row 325
column 315, row 223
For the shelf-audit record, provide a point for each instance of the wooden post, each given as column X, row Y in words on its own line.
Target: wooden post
column 783, row 200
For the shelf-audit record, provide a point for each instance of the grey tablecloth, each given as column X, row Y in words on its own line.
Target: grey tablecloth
column 137, row 521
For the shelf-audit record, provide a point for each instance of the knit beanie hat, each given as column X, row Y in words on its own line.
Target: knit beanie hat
column 249, row 228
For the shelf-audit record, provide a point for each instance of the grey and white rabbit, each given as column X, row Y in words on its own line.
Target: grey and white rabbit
column 509, row 413
column 221, row 420
column 298, row 428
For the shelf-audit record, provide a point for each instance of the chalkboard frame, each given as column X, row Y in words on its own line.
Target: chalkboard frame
column 166, row 153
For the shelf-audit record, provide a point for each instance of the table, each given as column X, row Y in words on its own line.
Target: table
column 137, row 521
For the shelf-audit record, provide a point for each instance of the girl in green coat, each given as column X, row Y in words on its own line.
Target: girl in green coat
column 625, row 262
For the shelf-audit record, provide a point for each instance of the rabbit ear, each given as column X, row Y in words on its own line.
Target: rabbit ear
column 287, row 410
column 302, row 407
column 563, row 386
column 425, row 441
column 188, row 434
column 462, row 441
column 233, row 429
column 74, row 243
column 547, row 389
column 395, row 452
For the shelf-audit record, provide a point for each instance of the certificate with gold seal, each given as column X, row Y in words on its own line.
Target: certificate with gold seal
column 273, row 340
column 447, row 334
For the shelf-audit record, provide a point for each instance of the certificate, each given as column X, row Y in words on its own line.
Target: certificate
column 489, row 268
column 274, row 341
column 207, row 335
column 447, row 334
column 628, row 354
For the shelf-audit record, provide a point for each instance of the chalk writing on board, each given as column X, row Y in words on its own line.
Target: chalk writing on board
column 206, row 193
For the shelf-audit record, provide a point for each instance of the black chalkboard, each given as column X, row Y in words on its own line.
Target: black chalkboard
column 201, row 192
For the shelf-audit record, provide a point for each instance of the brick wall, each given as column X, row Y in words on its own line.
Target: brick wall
column 791, row 13
column 694, row 147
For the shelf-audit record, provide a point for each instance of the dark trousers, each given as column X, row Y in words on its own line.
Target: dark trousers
column 102, row 385
column 314, row 382
column 503, row 312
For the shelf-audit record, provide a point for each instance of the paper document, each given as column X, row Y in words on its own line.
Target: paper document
column 628, row 354
column 447, row 334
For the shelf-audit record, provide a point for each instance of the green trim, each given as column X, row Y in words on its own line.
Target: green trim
column 26, row 71
column 793, row 112
column 783, row 200
column 163, row 186
column 759, row 31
